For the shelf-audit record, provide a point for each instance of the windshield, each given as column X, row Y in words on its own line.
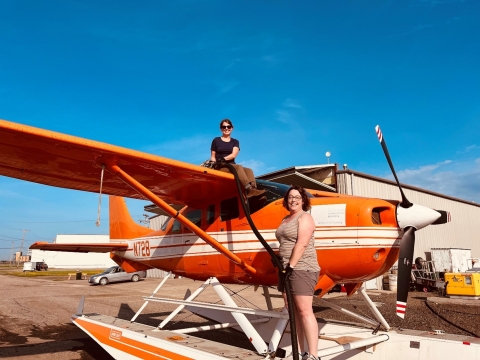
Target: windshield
column 273, row 191
column 109, row 270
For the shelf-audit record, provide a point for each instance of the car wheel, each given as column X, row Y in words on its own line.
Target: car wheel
column 103, row 281
column 135, row 278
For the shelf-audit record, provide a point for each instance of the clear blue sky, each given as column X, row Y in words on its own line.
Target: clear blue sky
column 297, row 79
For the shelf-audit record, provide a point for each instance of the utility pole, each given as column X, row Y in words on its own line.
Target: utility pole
column 23, row 238
column 11, row 255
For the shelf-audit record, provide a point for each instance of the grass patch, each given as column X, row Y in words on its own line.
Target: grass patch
column 89, row 272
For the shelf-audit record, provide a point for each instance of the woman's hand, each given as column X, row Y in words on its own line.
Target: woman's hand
column 284, row 295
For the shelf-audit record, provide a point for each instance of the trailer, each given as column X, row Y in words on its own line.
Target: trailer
column 268, row 332
column 425, row 277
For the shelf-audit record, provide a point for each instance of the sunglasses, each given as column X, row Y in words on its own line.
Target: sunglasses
column 226, row 127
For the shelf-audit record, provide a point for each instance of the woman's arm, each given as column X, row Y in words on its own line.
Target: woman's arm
column 306, row 226
column 212, row 157
column 233, row 155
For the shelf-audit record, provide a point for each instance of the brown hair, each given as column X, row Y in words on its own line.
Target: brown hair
column 227, row 121
column 306, row 201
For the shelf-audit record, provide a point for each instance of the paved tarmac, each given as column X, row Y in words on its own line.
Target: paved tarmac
column 35, row 313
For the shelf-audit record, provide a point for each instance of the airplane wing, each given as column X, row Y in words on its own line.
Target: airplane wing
column 66, row 161
column 82, row 248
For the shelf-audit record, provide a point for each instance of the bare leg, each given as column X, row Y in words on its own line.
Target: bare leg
column 310, row 326
column 300, row 332
column 298, row 326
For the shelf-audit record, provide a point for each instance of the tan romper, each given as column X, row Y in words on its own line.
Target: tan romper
column 305, row 275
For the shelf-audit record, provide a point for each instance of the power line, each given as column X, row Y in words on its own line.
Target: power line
column 9, row 237
column 47, row 222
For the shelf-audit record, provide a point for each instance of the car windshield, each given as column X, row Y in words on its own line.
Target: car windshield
column 109, row 270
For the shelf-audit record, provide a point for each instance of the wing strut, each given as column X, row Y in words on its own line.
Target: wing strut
column 117, row 171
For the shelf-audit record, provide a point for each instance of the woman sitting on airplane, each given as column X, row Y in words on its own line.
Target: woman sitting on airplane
column 225, row 149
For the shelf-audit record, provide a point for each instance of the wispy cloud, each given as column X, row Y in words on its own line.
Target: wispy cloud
column 289, row 111
column 270, row 59
column 457, row 179
column 417, row 28
column 232, row 64
column 439, row 2
column 291, row 103
column 194, row 150
column 227, row 86
column 284, row 116
column 258, row 167
column 468, row 149
column 456, row 18
column 411, row 173
column 8, row 194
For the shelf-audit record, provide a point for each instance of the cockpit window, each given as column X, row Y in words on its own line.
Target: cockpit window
column 195, row 216
column 273, row 191
column 165, row 223
column 229, row 209
column 177, row 227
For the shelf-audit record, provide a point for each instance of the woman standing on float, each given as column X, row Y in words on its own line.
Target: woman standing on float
column 225, row 148
column 299, row 257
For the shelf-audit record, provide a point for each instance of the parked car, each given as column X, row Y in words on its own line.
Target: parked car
column 116, row 274
column 40, row 265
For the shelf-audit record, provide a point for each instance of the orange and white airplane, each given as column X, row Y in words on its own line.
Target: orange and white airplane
column 357, row 238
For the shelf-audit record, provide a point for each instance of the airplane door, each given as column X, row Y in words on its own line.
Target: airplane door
column 337, row 235
column 198, row 254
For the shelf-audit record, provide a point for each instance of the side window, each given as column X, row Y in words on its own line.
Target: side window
column 176, row 227
column 229, row 209
column 210, row 214
column 165, row 223
column 195, row 216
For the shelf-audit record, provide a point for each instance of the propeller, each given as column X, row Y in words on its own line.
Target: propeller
column 410, row 218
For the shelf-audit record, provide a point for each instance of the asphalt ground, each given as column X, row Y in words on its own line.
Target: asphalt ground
column 35, row 313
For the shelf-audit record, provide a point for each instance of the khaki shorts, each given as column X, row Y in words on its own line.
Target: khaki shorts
column 302, row 282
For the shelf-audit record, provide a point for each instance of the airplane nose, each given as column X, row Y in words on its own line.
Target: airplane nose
column 416, row 216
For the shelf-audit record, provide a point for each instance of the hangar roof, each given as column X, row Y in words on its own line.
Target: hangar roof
column 405, row 186
column 315, row 177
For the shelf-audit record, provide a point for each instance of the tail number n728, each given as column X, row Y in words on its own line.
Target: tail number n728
column 141, row 248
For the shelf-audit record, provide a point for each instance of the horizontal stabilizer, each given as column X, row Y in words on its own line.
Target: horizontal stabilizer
column 80, row 248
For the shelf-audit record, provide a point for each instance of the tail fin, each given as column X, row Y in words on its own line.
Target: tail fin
column 122, row 226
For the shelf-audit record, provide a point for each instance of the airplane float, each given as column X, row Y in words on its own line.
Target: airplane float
column 220, row 237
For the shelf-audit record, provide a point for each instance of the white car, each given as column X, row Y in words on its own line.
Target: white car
column 115, row 274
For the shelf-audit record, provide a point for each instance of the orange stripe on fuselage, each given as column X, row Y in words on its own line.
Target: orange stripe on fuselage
column 341, row 265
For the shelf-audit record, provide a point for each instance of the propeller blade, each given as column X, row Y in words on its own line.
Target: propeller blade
column 405, row 259
column 405, row 203
column 445, row 217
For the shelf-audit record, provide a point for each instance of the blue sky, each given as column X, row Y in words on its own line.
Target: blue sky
column 297, row 79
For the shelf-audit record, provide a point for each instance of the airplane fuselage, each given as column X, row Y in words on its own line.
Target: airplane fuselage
column 356, row 239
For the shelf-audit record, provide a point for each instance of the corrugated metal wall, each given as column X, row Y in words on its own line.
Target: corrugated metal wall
column 157, row 273
column 155, row 224
column 462, row 232
column 157, row 221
